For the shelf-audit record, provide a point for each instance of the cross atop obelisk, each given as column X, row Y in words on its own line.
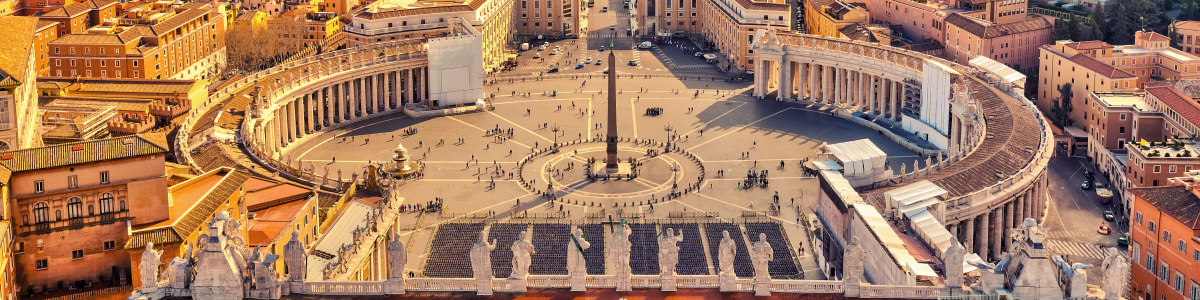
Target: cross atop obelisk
column 611, row 162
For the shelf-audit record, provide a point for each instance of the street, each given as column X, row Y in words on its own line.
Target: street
column 1074, row 215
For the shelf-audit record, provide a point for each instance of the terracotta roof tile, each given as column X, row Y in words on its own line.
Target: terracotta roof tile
column 16, row 38
column 1089, row 45
column 1183, row 105
column 196, row 215
column 1100, row 67
column 1176, row 201
column 988, row 30
column 1154, row 37
column 757, row 5
column 178, row 20
column 83, row 152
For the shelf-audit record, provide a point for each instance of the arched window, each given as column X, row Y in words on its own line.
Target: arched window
column 41, row 213
column 57, row 215
column 91, row 210
column 122, row 205
column 74, row 208
column 106, row 203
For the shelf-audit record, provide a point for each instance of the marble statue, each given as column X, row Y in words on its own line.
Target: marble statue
column 149, row 268
column 295, row 258
column 1116, row 274
column 725, row 254
column 576, row 261
column 522, row 250
column 953, row 259
column 397, row 257
column 481, row 264
column 619, row 252
column 668, row 251
column 761, row 253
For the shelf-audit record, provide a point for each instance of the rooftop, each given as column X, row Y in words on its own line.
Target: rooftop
column 1183, row 105
column 1088, row 45
column 70, row 154
column 269, row 222
column 112, row 85
column 1135, row 101
column 1175, row 200
column 1100, row 67
column 192, row 202
column 984, row 29
column 17, row 41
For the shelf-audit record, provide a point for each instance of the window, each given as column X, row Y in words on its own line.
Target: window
column 1195, row 292
column 1138, row 217
column 39, row 186
column 77, row 254
column 1121, row 129
column 104, row 176
column 1196, row 255
column 1182, row 247
column 1149, row 263
column 74, row 208
column 19, row 247
column 106, row 203
column 72, row 181
column 1171, row 169
column 1164, row 271
column 1178, row 284
column 1157, row 169
column 110, row 245
column 1166, row 235
column 42, row 264
column 41, row 213
column 1122, row 117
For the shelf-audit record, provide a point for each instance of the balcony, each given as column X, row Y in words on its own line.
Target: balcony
column 71, row 224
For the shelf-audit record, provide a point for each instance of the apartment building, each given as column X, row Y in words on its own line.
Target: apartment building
column 1089, row 67
column 153, row 40
column 1189, row 36
column 45, row 32
column 1164, row 240
column 72, row 202
column 78, row 17
column 666, row 17
column 389, row 20
column 552, row 18
column 919, row 20
column 314, row 28
column 829, row 17
column 19, row 126
column 1014, row 44
column 732, row 24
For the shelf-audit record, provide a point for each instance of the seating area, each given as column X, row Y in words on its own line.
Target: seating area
column 594, row 234
column 450, row 250
column 783, row 266
column 643, row 254
column 692, row 260
column 550, row 241
column 504, row 234
column 741, row 261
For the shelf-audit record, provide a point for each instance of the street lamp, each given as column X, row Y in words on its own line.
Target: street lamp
column 668, row 128
column 556, row 131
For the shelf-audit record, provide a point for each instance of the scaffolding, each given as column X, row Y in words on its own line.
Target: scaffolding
column 66, row 122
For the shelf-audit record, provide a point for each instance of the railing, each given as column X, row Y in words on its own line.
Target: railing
column 386, row 30
column 440, row 284
column 901, row 292
column 807, row 286
column 338, row 288
column 73, row 223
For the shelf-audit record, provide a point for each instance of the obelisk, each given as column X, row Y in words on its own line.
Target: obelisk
column 611, row 162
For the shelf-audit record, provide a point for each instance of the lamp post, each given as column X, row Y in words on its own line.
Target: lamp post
column 668, row 128
column 556, row 131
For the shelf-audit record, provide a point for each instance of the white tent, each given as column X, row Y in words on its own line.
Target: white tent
column 858, row 157
column 913, row 193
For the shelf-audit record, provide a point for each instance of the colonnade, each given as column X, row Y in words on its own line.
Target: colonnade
column 989, row 233
column 341, row 102
column 868, row 90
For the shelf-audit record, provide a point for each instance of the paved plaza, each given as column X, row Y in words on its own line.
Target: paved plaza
column 720, row 130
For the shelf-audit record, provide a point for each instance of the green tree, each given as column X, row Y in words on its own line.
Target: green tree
column 1061, row 112
column 1061, row 30
column 1120, row 27
column 1076, row 29
column 1098, row 18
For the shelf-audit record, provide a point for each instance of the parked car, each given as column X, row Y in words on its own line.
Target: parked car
column 605, row 70
column 579, row 66
column 1123, row 241
column 588, row 60
column 1104, row 229
column 552, row 70
column 598, row 61
column 1108, row 215
column 542, row 47
column 1087, row 185
column 612, row 27
column 632, row 62
column 537, row 55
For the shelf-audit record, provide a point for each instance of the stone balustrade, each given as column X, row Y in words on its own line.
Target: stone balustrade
column 902, row 292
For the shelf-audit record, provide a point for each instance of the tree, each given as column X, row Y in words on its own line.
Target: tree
column 1098, row 18
column 1120, row 26
column 1061, row 30
column 1061, row 111
column 249, row 49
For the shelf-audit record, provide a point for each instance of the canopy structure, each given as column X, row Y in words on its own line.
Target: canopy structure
column 858, row 157
column 916, row 193
column 1007, row 74
column 339, row 235
column 930, row 230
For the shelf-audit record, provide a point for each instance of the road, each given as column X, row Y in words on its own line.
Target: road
column 1074, row 214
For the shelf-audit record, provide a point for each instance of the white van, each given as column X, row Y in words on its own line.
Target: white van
column 646, row 45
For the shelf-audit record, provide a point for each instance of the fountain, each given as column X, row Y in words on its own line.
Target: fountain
column 400, row 166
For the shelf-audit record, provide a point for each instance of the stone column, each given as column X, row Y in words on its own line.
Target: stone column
column 814, row 83
column 322, row 97
column 897, row 99
column 785, row 80
column 290, row 118
column 953, row 228
column 298, row 116
column 308, row 112
column 839, row 79
column 394, row 93
column 997, row 231
column 1023, row 208
column 985, row 233
column 759, row 79
column 1008, row 226
column 871, row 105
column 360, row 95
column 408, row 86
column 422, row 83
column 969, row 235
column 370, row 93
column 827, row 84
column 864, row 82
column 801, row 80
